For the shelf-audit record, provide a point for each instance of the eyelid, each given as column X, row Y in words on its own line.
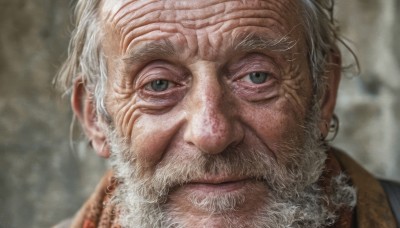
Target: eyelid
column 159, row 71
column 253, row 63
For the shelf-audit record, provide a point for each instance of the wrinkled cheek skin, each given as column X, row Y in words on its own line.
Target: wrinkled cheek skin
column 146, row 135
column 275, row 128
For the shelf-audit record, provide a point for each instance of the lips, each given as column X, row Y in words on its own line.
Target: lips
column 217, row 185
column 218, row 180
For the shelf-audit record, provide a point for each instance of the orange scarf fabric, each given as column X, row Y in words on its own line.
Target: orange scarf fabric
column 97, row 211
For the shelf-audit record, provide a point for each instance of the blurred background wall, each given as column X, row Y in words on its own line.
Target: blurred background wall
column 43, row 181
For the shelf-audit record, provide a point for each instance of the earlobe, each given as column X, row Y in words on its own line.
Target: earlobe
column 84, row 109
column 328, row 100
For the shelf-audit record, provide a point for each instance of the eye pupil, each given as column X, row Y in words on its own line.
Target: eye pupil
column 258, row 77
column 159, row 85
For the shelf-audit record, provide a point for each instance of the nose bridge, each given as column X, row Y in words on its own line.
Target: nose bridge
column 211, row 122
column 210, row 114
column 210, row 95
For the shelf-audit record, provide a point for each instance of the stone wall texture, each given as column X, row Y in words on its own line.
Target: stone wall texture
column 44, row 180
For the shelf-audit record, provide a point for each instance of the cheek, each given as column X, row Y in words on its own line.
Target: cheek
column 275, row 125
column 146, row 131
column 152, row 136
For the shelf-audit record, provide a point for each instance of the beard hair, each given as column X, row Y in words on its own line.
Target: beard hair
column 294, row 198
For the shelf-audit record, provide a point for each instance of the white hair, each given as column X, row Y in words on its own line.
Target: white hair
column 85, row 55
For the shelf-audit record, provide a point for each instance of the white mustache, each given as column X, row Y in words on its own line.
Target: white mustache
column 233, row 163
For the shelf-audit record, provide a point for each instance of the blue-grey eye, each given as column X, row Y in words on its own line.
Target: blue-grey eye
column 258, row 77
column 159, row 85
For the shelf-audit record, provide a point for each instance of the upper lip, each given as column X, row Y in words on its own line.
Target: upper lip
column 217, row 180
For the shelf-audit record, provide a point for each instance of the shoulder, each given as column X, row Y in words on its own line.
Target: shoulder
column 373, row 208
column 392, row 190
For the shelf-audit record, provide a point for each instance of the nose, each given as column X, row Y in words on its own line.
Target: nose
column 212, row 121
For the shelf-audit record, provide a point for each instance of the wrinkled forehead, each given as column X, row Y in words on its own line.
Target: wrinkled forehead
column 285, row 11
column 137, row 17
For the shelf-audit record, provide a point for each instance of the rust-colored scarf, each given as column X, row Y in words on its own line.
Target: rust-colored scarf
column 97, row 211
column 373, row 210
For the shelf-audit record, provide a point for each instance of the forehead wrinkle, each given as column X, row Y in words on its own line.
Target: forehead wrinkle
column 188, row 5
column 198, row 17
column 133, row 20
column 140, row 8
column 133, row 28
column 128, row 8
column 172, row 27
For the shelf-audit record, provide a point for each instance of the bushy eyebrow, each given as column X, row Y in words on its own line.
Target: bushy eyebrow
column 159, row 49
column 254, row 42
column 152, row 50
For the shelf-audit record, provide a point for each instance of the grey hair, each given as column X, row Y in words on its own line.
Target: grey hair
column 86, row 58
column 321, row 33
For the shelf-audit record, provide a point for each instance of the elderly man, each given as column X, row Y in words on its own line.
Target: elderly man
column 215, row 114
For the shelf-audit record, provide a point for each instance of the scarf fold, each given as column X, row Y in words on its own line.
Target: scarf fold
column 98, row 211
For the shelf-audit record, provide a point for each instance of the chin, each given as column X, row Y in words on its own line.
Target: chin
column 219, row 199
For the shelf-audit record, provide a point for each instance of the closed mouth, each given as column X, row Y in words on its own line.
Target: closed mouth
column 217, row 185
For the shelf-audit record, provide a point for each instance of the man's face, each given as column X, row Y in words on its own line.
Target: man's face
column 209, row 101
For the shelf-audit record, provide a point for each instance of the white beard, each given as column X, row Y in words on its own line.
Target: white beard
column 294, row 198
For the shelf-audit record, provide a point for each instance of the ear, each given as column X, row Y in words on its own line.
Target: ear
column 84, row 109
column 328, row 100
